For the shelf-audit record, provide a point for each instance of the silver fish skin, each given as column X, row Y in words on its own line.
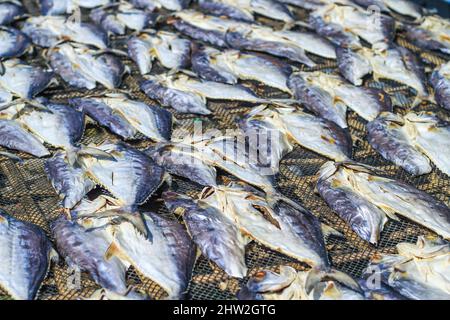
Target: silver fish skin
column 5, row 97
column 379, row 291
column 69, row 181
column 10, row 10
column 25, row 253
column 394, row 197
column 171, row 51
column 125, row 117
column 132, row 177
column 396, row 63
column 432, row 34
column 245, row 10
column 362, row 216
column 63, row 127
column 81, row 67
column 184, row 161
column 169, row 242
column 61, row 7
column 214, row 234
column 23, row 80
column 388, row 135
column 440, row 80
column 14, row 43
column 13, row 136
column 277, row 223
column 431, row 136
column 87, row 250
column 290, row 284
column 404, row 7
column 117, row 19
column 47, row 31
column 203, row 27
column 317, row 100
column 162, row 90
column 344, row 25
column 229, row 65
column 419, row 271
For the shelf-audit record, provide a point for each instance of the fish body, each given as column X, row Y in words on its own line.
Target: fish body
column 47, row 31
column 307, row 89
column 10, row 10
column 81, row 67
column 132, row 177
column 404, row 7
column 116, row 20
column 185, row 161
column 172, row 51
column 419, row 271
column 23, row 80
column 388, row 135
column 345, row 25
column 440, row 80
column 188, row 95
column 280, row 225
column 13, row 136
column 396, row 63
column 125, row 117
column 25, row 253
column 389, row 196
column 432, row 34
column 61, row 7
column 313, row 133
column 14, row 43
column 87, row 250
column 169, row 242
column 173, row 5
column 69, row 181
column 214, row 234
column 245, row 10
column 290, row 284
column 62, row 127
column 227, row 66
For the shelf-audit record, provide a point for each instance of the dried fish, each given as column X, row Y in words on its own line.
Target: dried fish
column 432, row 34
column 60, row 7
column 14, row 43
column 440, row 80
column 10, row 10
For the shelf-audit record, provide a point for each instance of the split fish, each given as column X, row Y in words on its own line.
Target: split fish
column 171, row 51
column 82, row 67
column 61, row 7
column 14, row 43
column 25, row 253
column 432, row 34
column 419, row 271
column 364, row 200
column 173, row 5
column 404, row 7
column 126, row 117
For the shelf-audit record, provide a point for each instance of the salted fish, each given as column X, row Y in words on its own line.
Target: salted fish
column 440, row 80
column 280, row 224
column 290, row 284
column 246, row 9
column 432, row 34
column 69, row 180
column 10, row 10
column 82, row 67
column 126, row 117
column 345, row 25
column 173, row 5
column 215, row 235
column 14, row 43
column 131, row 176
column 396, row 63
column 315, row 4
column 295, row 126
column 230, row 65
column 404, row 7
column 61, row 7
column 116, row 19
column 169, row 49
column 419, row 271
column 47, row 31
column 364, row 200
column 188, row 95
column 23, row 80
column 13, row 136
column 25, row 253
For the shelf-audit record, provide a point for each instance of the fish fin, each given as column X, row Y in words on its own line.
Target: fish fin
column 95, row 152
column 391, row 214
column 11, row 156
column 330, row 231
column 53, row 256
column 316, row 275
column 114, row 251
